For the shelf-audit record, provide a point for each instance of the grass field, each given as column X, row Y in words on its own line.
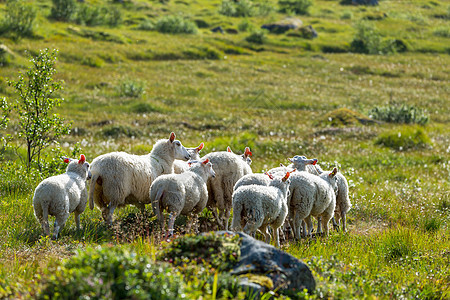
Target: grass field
column 127, row 85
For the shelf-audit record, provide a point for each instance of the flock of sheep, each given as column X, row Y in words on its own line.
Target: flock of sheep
column 175, row 179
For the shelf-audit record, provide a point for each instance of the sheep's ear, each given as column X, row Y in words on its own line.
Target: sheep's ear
column 65, row 159
column 172, row 137
column 200, row 147
column 281, row 165
column 82, row 159
column 205, row 161
column 293, row 170
column 229, row 149
column 315, row 160
column 247, row 152
column 333, row 173
column 286, row 176
column 270, row 176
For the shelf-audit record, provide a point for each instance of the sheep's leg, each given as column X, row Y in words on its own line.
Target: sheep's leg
column 303, row 229
column 266, row 233
column 310, row 225
column 276, row 236
column 319, row 225
column 335, row 225
column 44, row 222
column 77, row 219
column 108, row 213
column 297, row 225
column 172, row 218
column 60, row 221
column 226, row 217
column 344, row 220
column 325, row 220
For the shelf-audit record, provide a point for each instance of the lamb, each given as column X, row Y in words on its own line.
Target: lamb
column 184, row 193
column 180, row 166
column 229, row 168
column 261, row 206
column 312, row 195
column 119, row 178
column 343, row 204
column 61, row 195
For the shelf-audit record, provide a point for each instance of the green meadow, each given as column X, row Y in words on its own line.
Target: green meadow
column 369, row 94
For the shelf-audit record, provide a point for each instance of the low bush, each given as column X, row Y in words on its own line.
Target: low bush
column 175, row 25
column 131, row 88
column 243, row 8
column 366, row 39
column 298, row 7
column 257, row 37
column 405, row 138
column 111, row 273
column 400, row 113
column 18, row 19
column 63, row 10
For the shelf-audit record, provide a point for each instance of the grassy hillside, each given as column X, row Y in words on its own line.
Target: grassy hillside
column 127, row 85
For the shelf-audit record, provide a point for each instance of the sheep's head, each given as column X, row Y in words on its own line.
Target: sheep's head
column 178, row 149
column 194, row 152
column 80, row 166
column 300, row 162
column 206, row 166
column 331, row 178
column 246, row 156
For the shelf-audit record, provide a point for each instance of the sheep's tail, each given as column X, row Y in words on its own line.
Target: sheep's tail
column 237, row 216
column 91, row 190
column 156, row 205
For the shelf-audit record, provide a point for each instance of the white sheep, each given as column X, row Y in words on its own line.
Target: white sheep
column 343, row 204
column 257, row 207
column 252, row 179
column 61, row 195
column 180, row 166
column 311, row 195
column 119, row 178
column 184, row 193
column 229, row 168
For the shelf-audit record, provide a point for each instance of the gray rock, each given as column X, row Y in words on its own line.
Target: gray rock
column 285, row 271
column 283, row 25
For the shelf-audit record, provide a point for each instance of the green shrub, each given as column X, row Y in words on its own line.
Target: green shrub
column 202, row 53
column 111, row 273
column 299, row 7
column 19, row 18
column 131, row 88
column 242, row 8
column 257, row 37
column 175, row 25
column 442, row 32
column 91, row 15
column 245, row 26
column 366, row 39
column 63, row 10
column 347, row 15
column 404, row 138
column 146, row 25
column 6, row 56
column 402, row 114
column 219, row 251
column 144, row 107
